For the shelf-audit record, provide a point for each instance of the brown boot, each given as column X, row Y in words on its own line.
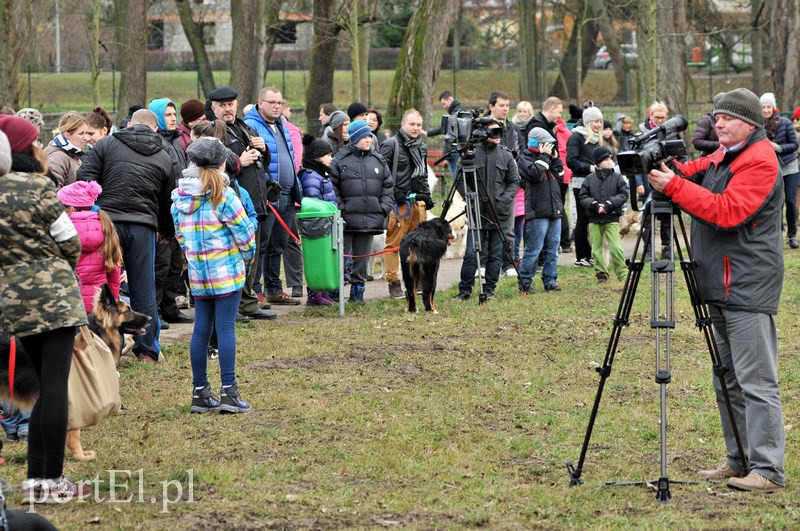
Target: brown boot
column 754, row 481
column 723, row 471
column 396, row 290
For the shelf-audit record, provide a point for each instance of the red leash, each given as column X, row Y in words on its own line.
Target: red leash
column 385, row 251
column 12, row 365
column 283, row 224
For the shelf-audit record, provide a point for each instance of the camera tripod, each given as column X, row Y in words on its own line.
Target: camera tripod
column 474, row 188
column 663, row 321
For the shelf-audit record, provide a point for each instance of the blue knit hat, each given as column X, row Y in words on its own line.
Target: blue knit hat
column 358, row 130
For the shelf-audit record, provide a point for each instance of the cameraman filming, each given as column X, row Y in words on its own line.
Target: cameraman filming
column 498, row 182
column 736, row 196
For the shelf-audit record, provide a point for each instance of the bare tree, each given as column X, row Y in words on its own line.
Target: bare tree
column 23, row 27
column 646, row 69
column 94, row 49
column 324, row 42
column 369, row 14
column 528, row 54
column 267, row 27
column 672, row 55
column 244, row 56
column 579, row 54
column 600, row 13
column 756, row 17
column 192, row 32
column 131, row 34
column 421, row 57
column 784, row 28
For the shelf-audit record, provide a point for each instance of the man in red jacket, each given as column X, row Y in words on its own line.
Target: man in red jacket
column 736, row 204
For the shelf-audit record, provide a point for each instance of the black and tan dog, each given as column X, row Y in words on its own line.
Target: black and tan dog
column 110, row 320
column 421, row 251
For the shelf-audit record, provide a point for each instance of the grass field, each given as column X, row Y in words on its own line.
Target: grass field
column 458, row 420
column 72, row 91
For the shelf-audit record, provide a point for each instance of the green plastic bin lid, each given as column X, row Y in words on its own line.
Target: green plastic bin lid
column 316, row 208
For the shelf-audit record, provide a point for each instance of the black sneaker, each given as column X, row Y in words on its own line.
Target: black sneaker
column 213, row 353
column 203, row 401
column 462, row 296
column 231, row 402
column 552, row 287
column 490, row 296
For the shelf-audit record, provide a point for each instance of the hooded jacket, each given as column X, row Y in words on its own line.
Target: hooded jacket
column 219, row 242
column 363, row 185
column 63, row 164
column 136, row 175
column 91, row 265
column 542, row 185
column 736, row 230
column 607, row 188
column 579, row 153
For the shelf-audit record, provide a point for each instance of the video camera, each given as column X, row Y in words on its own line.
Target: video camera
column 464, row 129
column 649, row 150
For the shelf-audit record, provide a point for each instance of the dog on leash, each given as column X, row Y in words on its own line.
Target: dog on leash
column 421, row 252
column 110, row 320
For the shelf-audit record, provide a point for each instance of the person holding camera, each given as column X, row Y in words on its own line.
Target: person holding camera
column 498, row 182
column 735, row 196
column 253, row 154
column 406, row 155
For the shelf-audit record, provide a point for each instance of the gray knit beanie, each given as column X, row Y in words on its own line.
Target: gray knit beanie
column 743, row 104
column 336, row 119
column 206, row 152
column 591, row 114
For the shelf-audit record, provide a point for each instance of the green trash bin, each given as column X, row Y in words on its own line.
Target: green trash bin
column 316, row 223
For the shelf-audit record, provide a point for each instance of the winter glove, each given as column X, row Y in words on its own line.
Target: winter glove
column 427, row 199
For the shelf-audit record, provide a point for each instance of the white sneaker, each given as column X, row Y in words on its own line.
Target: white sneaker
column 181, row 302
column 511, row 272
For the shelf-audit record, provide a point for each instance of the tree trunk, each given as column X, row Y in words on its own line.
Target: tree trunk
column 192, row 33
column 785, row 25
column 355, row 69
column 672, row 56
column 528, row 72
column 268, row 35
column 646, row 76
column 757, row 18
column 131, row 31
column 368, row 10
column 324, row 43
column 599, row 11
column 244, row 52
column 421, row 57
column 583, row 38
column 94, row 49
column 9, row 71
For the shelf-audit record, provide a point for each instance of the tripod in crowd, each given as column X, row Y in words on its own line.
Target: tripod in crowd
column 662, row 321
column 474, row 190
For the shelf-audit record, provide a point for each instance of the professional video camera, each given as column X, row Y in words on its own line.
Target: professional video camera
column 650, row 149
column 464, row 129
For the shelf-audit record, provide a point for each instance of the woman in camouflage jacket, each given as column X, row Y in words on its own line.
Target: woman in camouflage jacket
column 40, row 302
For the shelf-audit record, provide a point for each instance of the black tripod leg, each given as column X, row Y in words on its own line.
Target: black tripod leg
column 703, row 322
column 621, row 320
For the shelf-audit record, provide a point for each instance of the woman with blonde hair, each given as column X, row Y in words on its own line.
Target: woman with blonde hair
column 524, row 113
column 65, row 150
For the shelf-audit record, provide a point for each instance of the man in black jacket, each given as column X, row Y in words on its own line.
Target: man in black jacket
column 405, row 154
column 451, row 106
column 169, row 257
column 497, row 171
column 137, row 179
column 254, row 157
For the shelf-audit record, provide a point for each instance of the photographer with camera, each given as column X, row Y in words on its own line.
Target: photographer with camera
column 498, row 182
column 253, row 155
column 736, row 197
column 406, row 155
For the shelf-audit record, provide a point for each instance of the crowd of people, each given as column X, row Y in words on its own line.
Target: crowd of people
column 188, row 206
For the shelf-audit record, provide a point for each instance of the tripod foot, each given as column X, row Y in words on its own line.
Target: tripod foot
column 574, row 475
column 663, row 495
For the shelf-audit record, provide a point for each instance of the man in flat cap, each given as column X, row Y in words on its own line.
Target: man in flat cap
column 736, row 196
column 253, row 156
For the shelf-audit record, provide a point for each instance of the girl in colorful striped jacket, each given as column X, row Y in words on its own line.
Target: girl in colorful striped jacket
column 218, row 238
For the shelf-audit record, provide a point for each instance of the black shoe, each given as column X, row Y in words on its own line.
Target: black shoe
column 552, row 287
column 164, row 325
column 297, row 292
column 203, row 401
column 261, row 315
column 490, row 296
column 462, row 296
column 213, row 353
column 178, row 318
column 242, row 318
column 793, row 242
column 231, row 402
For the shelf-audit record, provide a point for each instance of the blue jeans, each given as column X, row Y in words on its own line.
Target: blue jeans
column 541, row 235
column 14, row 420
column 519, row 223
column 138, row 244
column 277, row 239
column 790, row 189
column 219, row 313
column 492, row 241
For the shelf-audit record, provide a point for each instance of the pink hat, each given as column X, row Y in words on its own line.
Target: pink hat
column 80, row 194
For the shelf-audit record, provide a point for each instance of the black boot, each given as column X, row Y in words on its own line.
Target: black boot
column 203, row 401
column 231, row 402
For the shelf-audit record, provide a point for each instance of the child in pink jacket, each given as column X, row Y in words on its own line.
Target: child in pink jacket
column 101, row 256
